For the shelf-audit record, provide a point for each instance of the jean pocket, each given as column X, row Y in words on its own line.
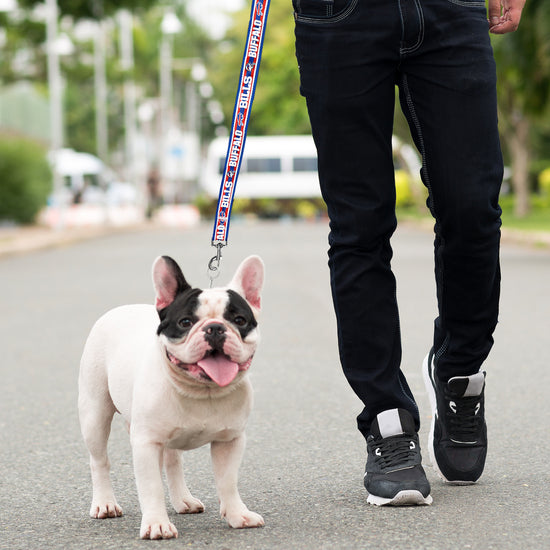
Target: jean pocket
column 322, row 11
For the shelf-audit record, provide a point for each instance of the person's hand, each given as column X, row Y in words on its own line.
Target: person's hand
column 504, row 15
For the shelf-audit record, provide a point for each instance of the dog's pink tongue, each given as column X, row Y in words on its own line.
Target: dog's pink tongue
column 220, row 369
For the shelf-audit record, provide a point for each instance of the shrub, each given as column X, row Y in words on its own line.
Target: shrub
column 25, row 179
column 403, row 194
column 544, row 182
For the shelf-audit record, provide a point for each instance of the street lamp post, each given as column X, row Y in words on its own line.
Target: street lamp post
column 100, row 84
column 6, row 6
column 56, row 107
column 127, row 64
column 170, row 26
column 54, row 77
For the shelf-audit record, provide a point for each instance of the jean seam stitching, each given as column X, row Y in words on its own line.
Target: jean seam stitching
column 407, row 396
column 441, row 351
column 420, row 38
column 418, row 127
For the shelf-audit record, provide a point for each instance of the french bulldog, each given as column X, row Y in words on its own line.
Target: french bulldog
column 177, row 373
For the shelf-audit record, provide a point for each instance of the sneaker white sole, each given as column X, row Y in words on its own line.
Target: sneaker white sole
column 433, row 403
column 403, row 498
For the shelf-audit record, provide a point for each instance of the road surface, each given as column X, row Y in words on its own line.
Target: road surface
column 305, row 459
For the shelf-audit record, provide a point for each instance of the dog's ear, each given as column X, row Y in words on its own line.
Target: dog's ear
column 249, row 279
column 168, row 281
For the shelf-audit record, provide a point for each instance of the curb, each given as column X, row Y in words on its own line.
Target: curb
column 21, row 240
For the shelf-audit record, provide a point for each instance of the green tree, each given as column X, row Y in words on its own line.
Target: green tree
column 93, row 9
column 278, row 107
column 22, row 55
column 79, row 105
column 24, row 35
column 191, row 43
column 523, row 69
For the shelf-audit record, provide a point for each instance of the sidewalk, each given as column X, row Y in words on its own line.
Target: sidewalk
column 539, row 239
column 17, row 240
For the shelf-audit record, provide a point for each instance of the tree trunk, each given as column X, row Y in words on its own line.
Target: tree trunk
column 518, row 143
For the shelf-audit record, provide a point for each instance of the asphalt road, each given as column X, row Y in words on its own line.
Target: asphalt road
column 304, row 462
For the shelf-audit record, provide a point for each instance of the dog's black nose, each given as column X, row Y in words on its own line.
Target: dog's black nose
column 214, row 334
column 215, row 329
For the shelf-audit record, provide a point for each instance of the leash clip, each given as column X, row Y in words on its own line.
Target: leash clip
column 215, row 263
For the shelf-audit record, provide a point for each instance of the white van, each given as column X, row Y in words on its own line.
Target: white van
column 283, row 166
column 272, row 167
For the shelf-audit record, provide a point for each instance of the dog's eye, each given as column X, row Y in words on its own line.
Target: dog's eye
column 186, row 322
column 240, row 321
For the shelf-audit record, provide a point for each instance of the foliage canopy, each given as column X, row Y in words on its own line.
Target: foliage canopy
column 93, row 9
column 278, row 107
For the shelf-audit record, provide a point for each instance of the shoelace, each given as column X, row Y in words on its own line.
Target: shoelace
column 464, row 422
column 394, row 451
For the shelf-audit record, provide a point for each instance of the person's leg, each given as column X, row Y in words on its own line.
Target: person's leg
column 348, row 62
column 448, row 92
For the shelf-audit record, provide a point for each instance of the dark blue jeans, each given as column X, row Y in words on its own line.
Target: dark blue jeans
column 351, row 55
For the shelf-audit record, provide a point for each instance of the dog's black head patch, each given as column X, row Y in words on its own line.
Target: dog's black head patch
column 240, row 314
column 177, row 319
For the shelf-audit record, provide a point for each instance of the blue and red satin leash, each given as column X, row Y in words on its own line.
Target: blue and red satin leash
column 243, row 104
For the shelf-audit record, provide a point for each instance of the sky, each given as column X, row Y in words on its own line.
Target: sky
column 212, row 14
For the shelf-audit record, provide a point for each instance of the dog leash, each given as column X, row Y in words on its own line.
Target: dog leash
column 239, row 125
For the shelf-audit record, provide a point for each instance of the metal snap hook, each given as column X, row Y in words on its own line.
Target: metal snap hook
column 214, row 264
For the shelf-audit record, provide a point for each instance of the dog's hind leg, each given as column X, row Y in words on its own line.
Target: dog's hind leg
column 96, row 411
column 181, row 498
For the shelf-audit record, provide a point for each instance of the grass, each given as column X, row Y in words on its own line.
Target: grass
column 537, row 220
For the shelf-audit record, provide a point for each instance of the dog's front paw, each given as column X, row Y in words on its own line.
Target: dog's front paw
column 190, row 505
column 157, row 529
column 104, row 510
column 244, row 519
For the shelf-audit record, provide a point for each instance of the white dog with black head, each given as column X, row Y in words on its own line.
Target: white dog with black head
column 177, row 373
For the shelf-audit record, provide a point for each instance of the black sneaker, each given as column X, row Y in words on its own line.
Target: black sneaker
column 458, row 434
column 394, row 474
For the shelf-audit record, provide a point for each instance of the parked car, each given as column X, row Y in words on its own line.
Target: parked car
column 87, row 180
